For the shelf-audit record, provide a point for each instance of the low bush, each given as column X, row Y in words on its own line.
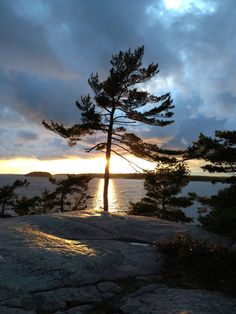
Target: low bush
column 198, row 264
column 220, row 214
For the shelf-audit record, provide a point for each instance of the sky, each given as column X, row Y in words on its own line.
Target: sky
column 50, row 48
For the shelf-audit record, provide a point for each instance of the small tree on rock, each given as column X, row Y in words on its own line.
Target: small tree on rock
column 72, row 184
column 26, row 206
column 117, row 104
column 8, row 194
column 47, row 200
column 162, row 199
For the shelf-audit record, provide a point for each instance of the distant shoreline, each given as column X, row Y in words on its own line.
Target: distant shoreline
column 140, row 176
column 137, row 176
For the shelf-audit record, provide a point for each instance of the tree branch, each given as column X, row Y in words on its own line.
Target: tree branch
column 125, row 149
column 131, row 163
column 88, row 150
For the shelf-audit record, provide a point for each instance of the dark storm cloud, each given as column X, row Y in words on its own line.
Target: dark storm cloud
column 207, row 45
column 190, row 129
column 22, row 143
column 24, row 43
column 27, row 135
column 44, row 98
column 49, row 49
column 98, row 29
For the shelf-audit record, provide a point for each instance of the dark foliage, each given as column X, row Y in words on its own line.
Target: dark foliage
column 162, row 198
column 47, row 200
column 220, row 153
column 117, row 104
column 198, row 264
column 26, row 206
column 221, row 212
column 8, row 194
column 72, row 184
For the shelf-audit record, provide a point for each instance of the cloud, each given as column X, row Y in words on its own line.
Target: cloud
column 27, row 135
column 49, row 49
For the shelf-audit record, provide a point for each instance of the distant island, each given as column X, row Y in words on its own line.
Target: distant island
column 38, row 174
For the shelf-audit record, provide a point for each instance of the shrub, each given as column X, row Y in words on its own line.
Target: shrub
column 221, row 212
column 26, row 206
column 198, row 264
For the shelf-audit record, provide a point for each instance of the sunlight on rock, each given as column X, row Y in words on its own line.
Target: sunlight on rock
column 34, row 237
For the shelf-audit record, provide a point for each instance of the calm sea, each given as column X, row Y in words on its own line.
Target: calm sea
column 121, row 191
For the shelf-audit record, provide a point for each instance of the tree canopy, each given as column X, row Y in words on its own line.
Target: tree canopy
column 219, row 152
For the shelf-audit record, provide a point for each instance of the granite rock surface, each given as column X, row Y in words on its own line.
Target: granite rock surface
column 91, row 262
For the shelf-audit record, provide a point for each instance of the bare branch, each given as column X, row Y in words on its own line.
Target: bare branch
column 131, row 163
column 125, row 149
column 99, row 145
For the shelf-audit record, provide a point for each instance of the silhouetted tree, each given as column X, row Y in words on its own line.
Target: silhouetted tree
column 8, row 194
column 162, row 199
column 220, row 153
column 72, row 184
column 47, row 200
column 25, row 205
column 220, row 211
column 117, row 104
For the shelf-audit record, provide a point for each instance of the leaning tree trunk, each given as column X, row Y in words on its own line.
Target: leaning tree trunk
column 62, row 202
column 106, row 180
column 107, row 167
column 3, row 209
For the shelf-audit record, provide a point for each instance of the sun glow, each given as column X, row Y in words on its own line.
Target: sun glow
column 77, row 165
column 70, row 165
column 175, row 4
column 185, row 5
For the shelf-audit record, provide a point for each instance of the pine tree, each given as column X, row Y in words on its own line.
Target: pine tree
column 8, row 194
column 163, row 186
column 220, row 155
column 72, row 184
column 117, row 104
column 47, row 200
column 26, row 206
column 219, row 152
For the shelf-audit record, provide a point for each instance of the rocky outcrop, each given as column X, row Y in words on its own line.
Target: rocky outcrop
column 159, row 298
column 90, row 262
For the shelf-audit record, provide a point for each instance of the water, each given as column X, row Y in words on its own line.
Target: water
column 201, row 188
column 121, row 191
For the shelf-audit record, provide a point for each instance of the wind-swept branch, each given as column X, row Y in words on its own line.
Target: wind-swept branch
column 131, row 163
column 98, row 146
column 117, row 100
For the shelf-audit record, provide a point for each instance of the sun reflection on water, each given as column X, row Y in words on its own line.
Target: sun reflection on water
column 112, row 197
